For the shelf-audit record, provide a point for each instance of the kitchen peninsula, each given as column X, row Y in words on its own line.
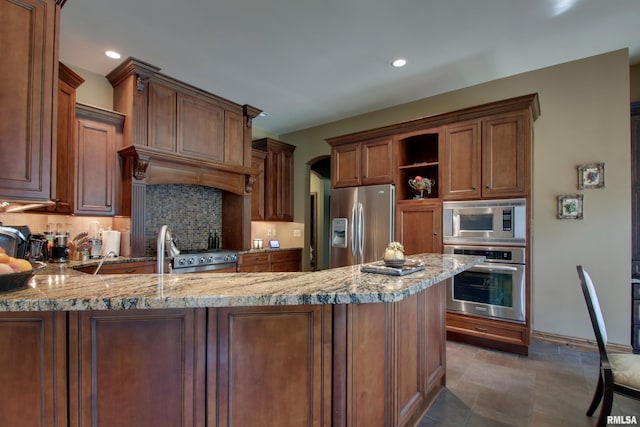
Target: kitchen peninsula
column 334, row 347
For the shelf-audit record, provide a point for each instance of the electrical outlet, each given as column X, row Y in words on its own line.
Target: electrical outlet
column 296, row 233
column 274, row 232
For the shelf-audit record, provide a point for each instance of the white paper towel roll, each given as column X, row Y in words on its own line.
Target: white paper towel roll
column 110, row 242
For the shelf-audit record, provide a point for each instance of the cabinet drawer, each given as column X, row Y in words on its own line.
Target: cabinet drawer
column 281, row 256
column 482, row 328
column 635, row 291
column 258, row 258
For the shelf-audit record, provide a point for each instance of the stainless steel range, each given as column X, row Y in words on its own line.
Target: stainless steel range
column 202, row 260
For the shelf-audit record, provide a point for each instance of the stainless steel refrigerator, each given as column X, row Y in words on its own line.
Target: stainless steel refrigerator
column 362, row 223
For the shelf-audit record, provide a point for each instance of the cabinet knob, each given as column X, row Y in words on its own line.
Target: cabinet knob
column 474, row 188
column 488, row 186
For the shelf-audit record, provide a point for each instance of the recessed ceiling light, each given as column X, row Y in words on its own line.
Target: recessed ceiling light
column 112, row 54
column 263, row 114
column 400, row 62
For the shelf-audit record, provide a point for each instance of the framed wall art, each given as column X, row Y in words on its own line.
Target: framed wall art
column 590, row 175
column 570, row 206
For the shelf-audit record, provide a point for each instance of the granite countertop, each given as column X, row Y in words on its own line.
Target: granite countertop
column 61, row 288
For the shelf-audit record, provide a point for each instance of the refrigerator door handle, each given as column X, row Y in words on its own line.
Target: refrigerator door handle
column 361, row 231
column 353, row 230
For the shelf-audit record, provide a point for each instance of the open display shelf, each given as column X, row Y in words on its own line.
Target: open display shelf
column 418, row 156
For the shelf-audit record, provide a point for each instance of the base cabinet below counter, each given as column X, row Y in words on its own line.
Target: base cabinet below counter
column 137, row 368
column 274, row 261
column 33, row 378
column 322, row 365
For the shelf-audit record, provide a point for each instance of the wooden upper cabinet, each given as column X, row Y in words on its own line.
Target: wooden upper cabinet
column 200, row 128
column 98, row 135
column 257, row 195
column 233, row 138
column 487, row 158
column 461, row 164
column 174, row 117
column 345, row 165
column 362, row 163
column 278, row 179
column 506, row 143
column 161, row 117
column 65, row 157
column 27, row 112
column 377, row 162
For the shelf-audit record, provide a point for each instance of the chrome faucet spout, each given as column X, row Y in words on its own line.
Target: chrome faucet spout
column 164, row 243
column 104, row 258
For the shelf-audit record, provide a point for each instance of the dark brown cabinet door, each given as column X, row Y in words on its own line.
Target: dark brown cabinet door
column 161, row 117
column 27, row 112
column 257, row 194
column 233, row 138
column 278, row 179
column 345, row 165
column 377, row 162
column 411, row 357
column 200, row 127
column 66, row 141
column 362, row 163
column 288, row 260
column 418, row 226
column 34, row 374
column 273, row 366
column 461, row 162
column 504, row 155
column 96, row 168
column 137, row 368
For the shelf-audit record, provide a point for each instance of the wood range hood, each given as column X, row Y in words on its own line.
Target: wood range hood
column 151, row 166
column 175, row 133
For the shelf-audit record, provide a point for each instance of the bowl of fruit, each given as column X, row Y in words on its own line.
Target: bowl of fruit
column 16, row 272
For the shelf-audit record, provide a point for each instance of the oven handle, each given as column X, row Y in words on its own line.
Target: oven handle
column 490, row 267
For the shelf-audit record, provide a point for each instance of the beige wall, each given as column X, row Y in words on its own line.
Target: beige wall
column 584, row 118
column 96, row 89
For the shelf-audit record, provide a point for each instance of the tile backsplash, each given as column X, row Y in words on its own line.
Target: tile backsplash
column 190, row 211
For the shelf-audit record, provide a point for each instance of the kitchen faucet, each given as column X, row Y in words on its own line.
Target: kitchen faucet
column 165, row 242
column 104, row 258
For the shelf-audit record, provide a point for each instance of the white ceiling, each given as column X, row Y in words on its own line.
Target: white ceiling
column 308, row 62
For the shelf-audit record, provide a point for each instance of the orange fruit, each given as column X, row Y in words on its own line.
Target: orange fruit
column 4, row 258
column 2, row 250
column 22, row 264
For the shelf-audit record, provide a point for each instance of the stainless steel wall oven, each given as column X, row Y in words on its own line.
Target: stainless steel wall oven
column 494, row 289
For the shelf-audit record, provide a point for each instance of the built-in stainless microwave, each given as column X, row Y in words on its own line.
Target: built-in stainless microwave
column 484, row 222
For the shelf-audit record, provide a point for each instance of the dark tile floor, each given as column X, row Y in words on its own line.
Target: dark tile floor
column 553, row 386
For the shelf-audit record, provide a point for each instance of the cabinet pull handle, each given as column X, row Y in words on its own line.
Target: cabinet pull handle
column 478, row 328
column 133, row 270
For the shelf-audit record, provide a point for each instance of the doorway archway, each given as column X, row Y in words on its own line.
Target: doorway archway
column 317, row 212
